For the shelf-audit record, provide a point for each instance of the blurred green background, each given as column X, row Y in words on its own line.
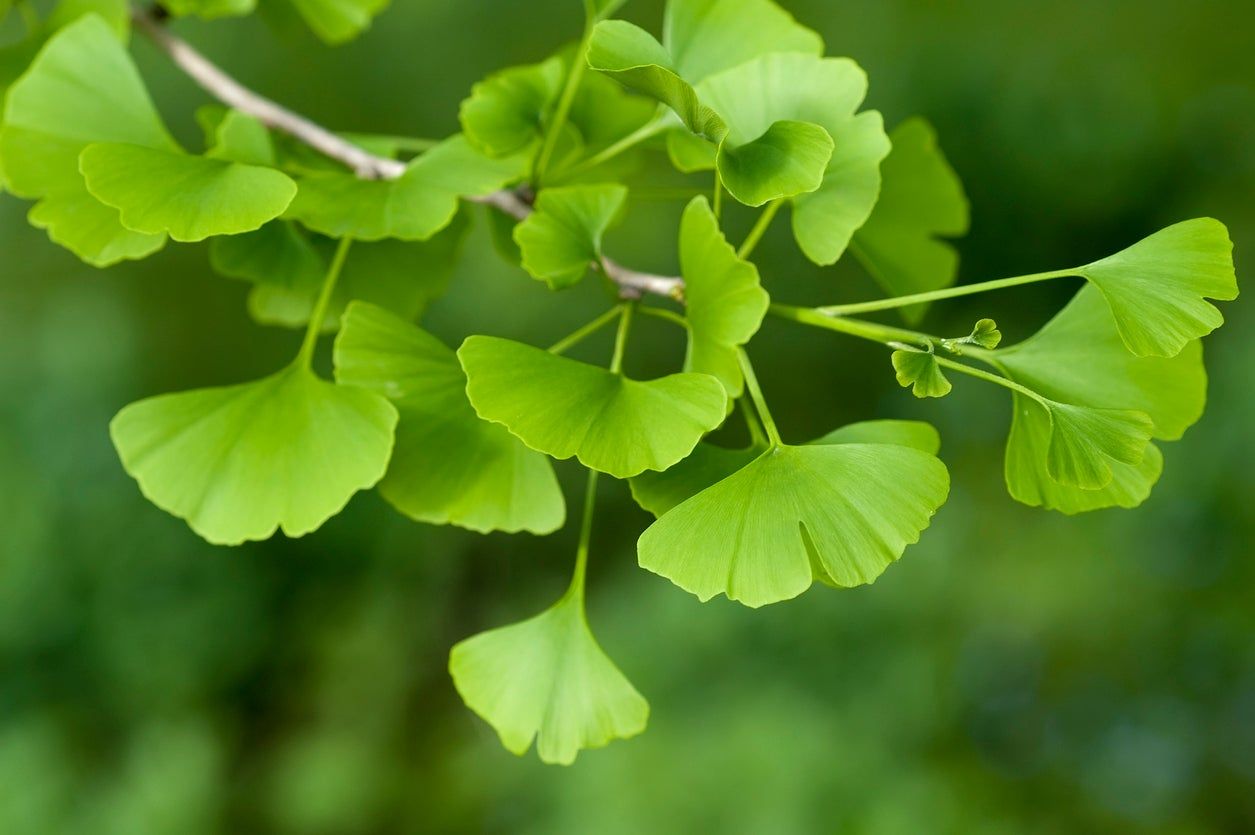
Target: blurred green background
column 1017, row 672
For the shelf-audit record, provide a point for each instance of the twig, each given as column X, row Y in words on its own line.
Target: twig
column 213, row 80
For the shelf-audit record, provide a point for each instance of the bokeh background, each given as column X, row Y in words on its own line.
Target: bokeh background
column 1017, row 672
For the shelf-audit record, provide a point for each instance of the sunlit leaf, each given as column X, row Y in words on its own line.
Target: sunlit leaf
column 413, row 207
column 724, row 300
column 564, row 408
column 839, row 514
column 822, row 91
column 505, row 112
column 1158, row 287
column 919, row 371
column 449, row 466
column 338, row 21
column 788, row 159
column 81, row 89
column 690, row 153
column 921, row 202
column 238, row 463
column 563, row 236
column 985, row 334
column 191, row 198
column 547, row 679
column 707, row 36
column 238, row 137
column 1086, row 442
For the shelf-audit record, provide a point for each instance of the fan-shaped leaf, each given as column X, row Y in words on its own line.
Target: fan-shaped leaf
column 338, row 21
column 839, row 514
column 505, row 112
column 190, row 198
column 921, row 202
column 547, row 679
column 449, row 466
column 724, row 300
column 564, row 408
column 704, row 37
column 788, row 159
column 919, row 371
column 239, row 462
column 1085, row 443
column 238, row 137
column 563, row 236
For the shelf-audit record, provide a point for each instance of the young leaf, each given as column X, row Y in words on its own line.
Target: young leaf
column 1086, row 442
column 547, row 679
column 190, row 198
column 822, row 91
column 724, row 301
column 921, row 202
column 710, row 464
column 1158, row 287
column 787, row 159
column 838, row 514
column 449, row 467
column 919, row 371
column 563, row 236
column 505, row 112
column 985, row 334
column 338, row 21
column 239, row 462
column 82, row 88
column 563, row 408
column 413, row 207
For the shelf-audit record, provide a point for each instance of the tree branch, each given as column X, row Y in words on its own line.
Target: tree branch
column 217, row 83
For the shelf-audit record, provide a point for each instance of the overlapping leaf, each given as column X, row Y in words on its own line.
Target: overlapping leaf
column 921, row 203
column 839, row 514
column 547, row 679
column 724, row 300
column 920, row 372
column 566, row 408
column 237, row 463
column 338, row 21
column 563, row 236
column 449, row 466
column 505, row 112
column 413, row 207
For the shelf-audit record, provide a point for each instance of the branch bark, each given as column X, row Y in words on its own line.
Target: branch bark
column 217, row 83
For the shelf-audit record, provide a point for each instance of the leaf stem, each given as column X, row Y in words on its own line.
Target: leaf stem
column 568, row 342
column 621, row 338
column 757, row 437
column 938, row 295
column 586, row 534
column 319, row 313
column 756, row 394
column 666, row 315
column 760, row 228
column 579, row 63
column 636, row 137
column 873, row 331
column 990, row 378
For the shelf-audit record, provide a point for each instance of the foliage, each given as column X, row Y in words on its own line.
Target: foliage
column 739, row 88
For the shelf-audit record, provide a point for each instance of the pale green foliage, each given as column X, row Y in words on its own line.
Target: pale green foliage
column 566, row 408
column 504, row 114
column 210, row 9
column 919, row 371
column 337, row 21
column 563, row 235
column 547, row 679
column 985, row 334
column 240, row 462
column 449, row 466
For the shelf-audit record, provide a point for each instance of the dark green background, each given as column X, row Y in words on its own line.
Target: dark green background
column 1017, row 672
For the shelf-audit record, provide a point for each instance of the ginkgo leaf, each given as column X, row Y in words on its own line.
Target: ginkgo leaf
column 1158, row 287
column 921, row 202
column 690, row 153
column 839, row 514
column 985, row 334
column 822, row 91
column 209, row 9
column 237, row 463
column 563, row 408
column 919, row 371
column 547, row 679
column 238, row 137
column 338, row 21
column 1086, row 442
column 505, row 112
column 707, row 36
column 724, row 300
column 449, row 466
column 117, row 13
column 709, row 464
column 278, row 253
column 788, row 159
column 563, row 236
column 190, row 198
column 413, row 207
column 82, row 88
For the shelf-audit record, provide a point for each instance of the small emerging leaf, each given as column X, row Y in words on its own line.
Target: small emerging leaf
column 919, row 371
column 563, row 236
column 985, row 335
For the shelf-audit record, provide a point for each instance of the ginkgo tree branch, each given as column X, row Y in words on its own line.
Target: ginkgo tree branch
column 226, row 89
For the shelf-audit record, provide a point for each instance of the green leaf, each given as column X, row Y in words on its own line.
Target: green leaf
column 1086, row 442
column 449, row 467
column 985, row 334
column 338, row 21
column 919, row 371
column 563, row 408
column 704, row 37
column 277, row 254
column 505, row 112
column 238, row 137
column 547, row 679
column 81, row 89
column 838, row 514
column 563, row 236
column 189, row 198
column 921, row 202
column 787, row 160
column 710, row 464
column 1158, row 287
column 286, row 452
column 209, row 9
column 690, row 153
column 821, row 91
column 117, row 13
column 413, row 207
column 724, row 300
